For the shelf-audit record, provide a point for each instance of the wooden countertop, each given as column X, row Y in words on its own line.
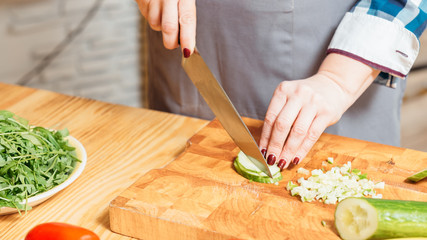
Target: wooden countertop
column 200, row 196
column 122, row 143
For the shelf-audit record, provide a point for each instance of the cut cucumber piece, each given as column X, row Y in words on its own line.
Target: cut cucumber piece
column 418, row 176
column 245, row 167
column 368, row 218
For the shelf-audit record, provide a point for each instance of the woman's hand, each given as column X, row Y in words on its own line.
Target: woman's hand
column 301, row 110
column 175, row 19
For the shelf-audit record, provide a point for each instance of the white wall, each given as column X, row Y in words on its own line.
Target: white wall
column 100, row 63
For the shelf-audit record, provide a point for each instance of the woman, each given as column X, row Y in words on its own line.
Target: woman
column 277, row 62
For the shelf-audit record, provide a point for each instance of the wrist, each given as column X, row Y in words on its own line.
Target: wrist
column 335, row 91
column 350, row 76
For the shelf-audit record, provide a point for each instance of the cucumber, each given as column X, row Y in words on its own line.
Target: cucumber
column 418, row 176
column 368, row 218
column 248, row 170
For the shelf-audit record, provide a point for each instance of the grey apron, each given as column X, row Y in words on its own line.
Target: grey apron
column 251, row 46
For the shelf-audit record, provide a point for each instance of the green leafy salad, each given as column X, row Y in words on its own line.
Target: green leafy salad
column 32, row 160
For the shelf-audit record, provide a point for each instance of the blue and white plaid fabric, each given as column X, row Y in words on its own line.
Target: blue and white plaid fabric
column 411, row 14
column 408, row 15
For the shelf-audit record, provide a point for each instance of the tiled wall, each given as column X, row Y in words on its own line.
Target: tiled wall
column 101, row 62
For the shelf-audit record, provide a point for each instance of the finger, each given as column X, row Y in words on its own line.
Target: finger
column 143, row 7
column 276, row 104
column 154, row 15
column 281, row 128
column 296, row 136
column 170, row 24
column 316, row 129
column 187, row 22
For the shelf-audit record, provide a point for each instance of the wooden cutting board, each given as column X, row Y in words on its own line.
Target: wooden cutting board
column 200, row 196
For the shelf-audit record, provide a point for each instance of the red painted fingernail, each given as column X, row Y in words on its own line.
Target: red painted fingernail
column 264, row 151
column 296, row 161
column 281, row 164
column 271, row 159
column 187, row 53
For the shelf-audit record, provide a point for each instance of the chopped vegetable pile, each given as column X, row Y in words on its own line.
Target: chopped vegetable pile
column 334, row 185
column 32, row 160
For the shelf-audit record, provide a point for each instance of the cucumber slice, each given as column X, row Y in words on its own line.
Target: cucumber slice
column 418, row 176
column 248, row 170
column 368, row 218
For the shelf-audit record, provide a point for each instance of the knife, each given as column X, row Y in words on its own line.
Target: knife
column 221, row 106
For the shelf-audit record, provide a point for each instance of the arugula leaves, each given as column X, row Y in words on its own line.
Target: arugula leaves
column 32, row 160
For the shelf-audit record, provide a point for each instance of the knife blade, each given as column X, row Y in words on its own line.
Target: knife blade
column 224, row 110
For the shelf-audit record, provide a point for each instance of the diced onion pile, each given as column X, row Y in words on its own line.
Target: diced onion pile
column 335, row 185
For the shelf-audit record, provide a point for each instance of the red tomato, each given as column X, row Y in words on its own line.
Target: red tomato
column 60, row 231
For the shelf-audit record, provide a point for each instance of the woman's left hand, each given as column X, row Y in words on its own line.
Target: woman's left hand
column 301, row 110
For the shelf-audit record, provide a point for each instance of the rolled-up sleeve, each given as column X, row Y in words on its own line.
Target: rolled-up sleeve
column 383, row 34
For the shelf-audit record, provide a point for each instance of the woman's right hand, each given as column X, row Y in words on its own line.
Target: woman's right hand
column 175, row 19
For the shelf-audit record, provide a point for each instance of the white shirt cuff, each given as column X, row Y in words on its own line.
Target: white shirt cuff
column 379, row 43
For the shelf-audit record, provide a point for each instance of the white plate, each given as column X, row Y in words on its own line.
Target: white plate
column 39, row 198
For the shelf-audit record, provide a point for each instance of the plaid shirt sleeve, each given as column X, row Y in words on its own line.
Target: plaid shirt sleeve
column 383, row 34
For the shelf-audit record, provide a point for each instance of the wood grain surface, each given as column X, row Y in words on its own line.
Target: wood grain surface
column 122, row 143
column 200, row 196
